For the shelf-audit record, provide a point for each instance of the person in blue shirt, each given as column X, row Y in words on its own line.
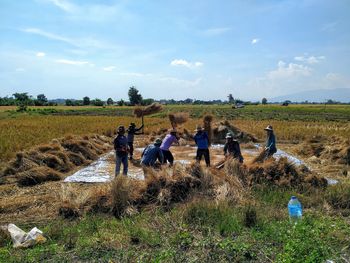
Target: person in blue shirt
column 202, row 141
column 270, row 147
column 151, row 153
column 121, row 151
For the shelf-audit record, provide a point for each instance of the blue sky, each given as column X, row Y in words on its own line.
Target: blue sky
column 173, row 49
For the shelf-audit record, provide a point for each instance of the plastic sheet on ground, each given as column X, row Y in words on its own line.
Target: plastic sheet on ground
column 97, row 172
column 102, row 171
column 331, row 181
column 22, row 239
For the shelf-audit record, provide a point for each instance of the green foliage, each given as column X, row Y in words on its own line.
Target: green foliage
column 134, row 97
column 86, row 100
column 264, row 101
column 110, row 101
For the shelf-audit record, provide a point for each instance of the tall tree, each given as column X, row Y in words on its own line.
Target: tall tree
column 264, row 101
column 21, row 96
column 41, row 100
column 110, row 101
column 230, row 98
column 86, row 100
column 134, row 96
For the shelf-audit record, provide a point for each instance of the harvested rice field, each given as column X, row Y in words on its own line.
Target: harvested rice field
column 57, row 173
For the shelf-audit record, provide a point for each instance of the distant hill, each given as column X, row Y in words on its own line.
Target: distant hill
column 320, row 95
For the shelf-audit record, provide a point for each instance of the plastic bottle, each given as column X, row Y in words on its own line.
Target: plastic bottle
column 294, row 209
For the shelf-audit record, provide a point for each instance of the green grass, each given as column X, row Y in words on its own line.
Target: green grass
column 200, row 231
column 317, row 112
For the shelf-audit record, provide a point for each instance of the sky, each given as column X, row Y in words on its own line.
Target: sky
column 199, row 49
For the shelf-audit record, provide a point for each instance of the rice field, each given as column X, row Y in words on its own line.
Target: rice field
column 23, row 131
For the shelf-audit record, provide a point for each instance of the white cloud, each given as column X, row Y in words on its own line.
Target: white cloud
column 185, row 63
column 310, row 60
column 110, row 68
column 289, row 70
column 20, row 69
column 49, row 35
column 215, row 31
column 40, row 54
column 72, row 62
column 64, row 5
column 333, row 76
column 255, row 41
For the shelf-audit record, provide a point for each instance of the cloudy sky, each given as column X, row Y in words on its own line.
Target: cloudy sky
column 202, row 49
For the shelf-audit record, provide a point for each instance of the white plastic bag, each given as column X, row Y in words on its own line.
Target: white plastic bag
column 22, row 239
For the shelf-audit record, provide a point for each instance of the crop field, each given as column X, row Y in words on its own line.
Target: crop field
column 180, row 213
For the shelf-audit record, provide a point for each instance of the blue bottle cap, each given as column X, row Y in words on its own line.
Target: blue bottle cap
column 293, row 197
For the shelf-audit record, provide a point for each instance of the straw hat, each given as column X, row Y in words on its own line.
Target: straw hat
column 173, row 131
column 132, row 124
column 121, row 128
column 268, row 128
column 229, row 136
column 198, row 128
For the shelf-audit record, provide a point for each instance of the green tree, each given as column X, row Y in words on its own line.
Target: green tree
column 121, row 102
column 146, row 102
column 110, row 101
column 264, row 101
column 86, row 100
column 134, row 96
column 69, row 103
column 230, row 98
column 41, row 100
column 98, row 102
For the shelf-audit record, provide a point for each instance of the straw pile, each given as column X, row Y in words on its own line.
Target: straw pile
column 207, row 121
column 332, row 149
column 221, row 128
column 48, row 162
column 144, row 111
column 178, row 118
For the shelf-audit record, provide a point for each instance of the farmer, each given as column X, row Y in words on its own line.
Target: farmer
column 270, row 147
column 202, row 141
column 151, row 153
column 132, row 130
column 167, row 142
column 232, row 149
column 121, row 151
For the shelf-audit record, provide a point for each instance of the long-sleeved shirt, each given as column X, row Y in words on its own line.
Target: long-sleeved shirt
column 121, row 145
column 233, row 149
column 133, row 131
column 271, row 142
column 150, row 155
column 202, row 140
column 168, row 141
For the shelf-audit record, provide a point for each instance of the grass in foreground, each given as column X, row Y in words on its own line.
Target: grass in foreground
column 201, row 230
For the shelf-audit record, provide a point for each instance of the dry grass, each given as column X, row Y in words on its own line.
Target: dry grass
column 38, row 175
column 178, row 118
column 148, row 110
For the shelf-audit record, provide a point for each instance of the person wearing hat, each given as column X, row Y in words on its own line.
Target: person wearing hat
column 270, row 147
column 202, row 141
column 132, row 130
column 151, row 153
column 166, row 144
column 121, row 151
column 232, row 148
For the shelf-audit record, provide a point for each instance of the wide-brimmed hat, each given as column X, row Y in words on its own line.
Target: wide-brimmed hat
column 229, row 136
column 173, row 130
column 158, row 141
column 132, row 124
column 268, row 128
column 199, row 128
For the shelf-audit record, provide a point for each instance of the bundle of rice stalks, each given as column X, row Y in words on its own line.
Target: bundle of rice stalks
column 121, row 190
column 20, row 164
column 177, row 119
column 207, row 120
column 73, row 201
column 260, row 157
column 220, row 130
column 37, row 175
column 144, row 111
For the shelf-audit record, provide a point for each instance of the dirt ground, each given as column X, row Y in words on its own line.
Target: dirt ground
column 40, row 203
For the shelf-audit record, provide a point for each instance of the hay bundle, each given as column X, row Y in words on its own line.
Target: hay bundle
column 260, row 157
column 37, row 175
column 144, row 111
column 178, row 118
column 220, row 130
column 207, row 120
